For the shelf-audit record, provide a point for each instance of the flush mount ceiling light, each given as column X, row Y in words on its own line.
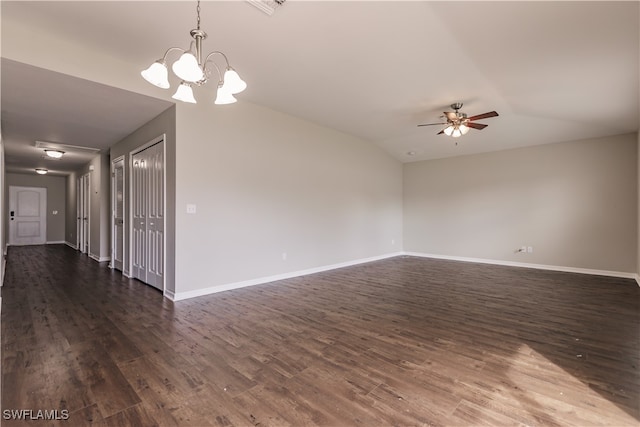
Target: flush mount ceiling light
column 41, row 171
column 192, row 69
column 56, row 154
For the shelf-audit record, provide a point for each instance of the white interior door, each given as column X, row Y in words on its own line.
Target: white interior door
column 83, row 209
column 79, row 228
column 155, row 215
column 86, row 213
column 147, row 211
column 27, row 215
column 117, row 255
column 139, row 214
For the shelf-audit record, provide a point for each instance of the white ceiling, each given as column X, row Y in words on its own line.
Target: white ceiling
column 555, row 71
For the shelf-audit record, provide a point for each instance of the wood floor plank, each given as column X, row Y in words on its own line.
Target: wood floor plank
column 404, row 341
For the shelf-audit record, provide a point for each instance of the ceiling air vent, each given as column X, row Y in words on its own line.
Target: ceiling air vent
column 267, row 6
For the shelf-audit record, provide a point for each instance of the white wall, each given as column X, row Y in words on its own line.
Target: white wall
column 265, row 184
column 574, row 203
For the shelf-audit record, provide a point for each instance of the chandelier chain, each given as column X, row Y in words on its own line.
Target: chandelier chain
column 198, row 12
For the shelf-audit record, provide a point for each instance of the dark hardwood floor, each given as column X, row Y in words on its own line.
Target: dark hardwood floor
column 400, row 342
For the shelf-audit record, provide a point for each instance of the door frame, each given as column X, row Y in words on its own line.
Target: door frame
column 43, row 213
column 113, row 208
column 129, row 169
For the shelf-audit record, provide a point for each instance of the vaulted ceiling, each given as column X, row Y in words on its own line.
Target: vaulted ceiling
column 555, row 71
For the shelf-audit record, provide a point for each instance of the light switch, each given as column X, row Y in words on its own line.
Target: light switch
column 191, row 209
column 55, row 212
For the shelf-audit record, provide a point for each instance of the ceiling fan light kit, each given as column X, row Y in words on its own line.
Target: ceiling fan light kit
column 56, row 154
column 458, row 123
column 195, row 69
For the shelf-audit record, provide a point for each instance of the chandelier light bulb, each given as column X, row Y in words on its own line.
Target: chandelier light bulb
column 463, row 129
column 187, row 68
column 184, row 93
column 232, row 81
column 157, row 74
column 456, row 132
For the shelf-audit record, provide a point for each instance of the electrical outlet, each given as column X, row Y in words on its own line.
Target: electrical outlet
column 191, row 209
column 523, row 249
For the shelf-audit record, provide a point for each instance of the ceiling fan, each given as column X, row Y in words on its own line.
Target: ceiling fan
column 458, row 123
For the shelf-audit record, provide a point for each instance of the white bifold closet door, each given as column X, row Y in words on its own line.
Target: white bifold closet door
column 118, row 215
column 147, row 240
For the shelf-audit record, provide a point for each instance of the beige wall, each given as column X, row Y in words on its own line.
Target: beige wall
column 163, row 124
column 56, row 195
column 265, row 184
column 638, row 195
column 574, row 203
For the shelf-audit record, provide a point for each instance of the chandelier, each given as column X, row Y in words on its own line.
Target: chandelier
column 195, row 70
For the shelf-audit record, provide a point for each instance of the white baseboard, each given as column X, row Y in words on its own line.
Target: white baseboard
column 56, row 242
column 100, row 259
column 237, row 285
column 259, row 281
column 71, row 245
column 527, row 265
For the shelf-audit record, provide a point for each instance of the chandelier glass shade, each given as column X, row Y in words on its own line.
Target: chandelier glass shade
column 195, row 69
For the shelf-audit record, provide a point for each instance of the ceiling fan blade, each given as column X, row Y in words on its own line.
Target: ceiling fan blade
column 450, row 115
column 484, row 116
column 441, row 132
column 478, row 126
column 431, row 124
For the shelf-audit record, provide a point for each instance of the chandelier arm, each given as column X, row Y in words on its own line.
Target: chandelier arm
column 220, row 75
column 219, row 53
column 164, row 58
